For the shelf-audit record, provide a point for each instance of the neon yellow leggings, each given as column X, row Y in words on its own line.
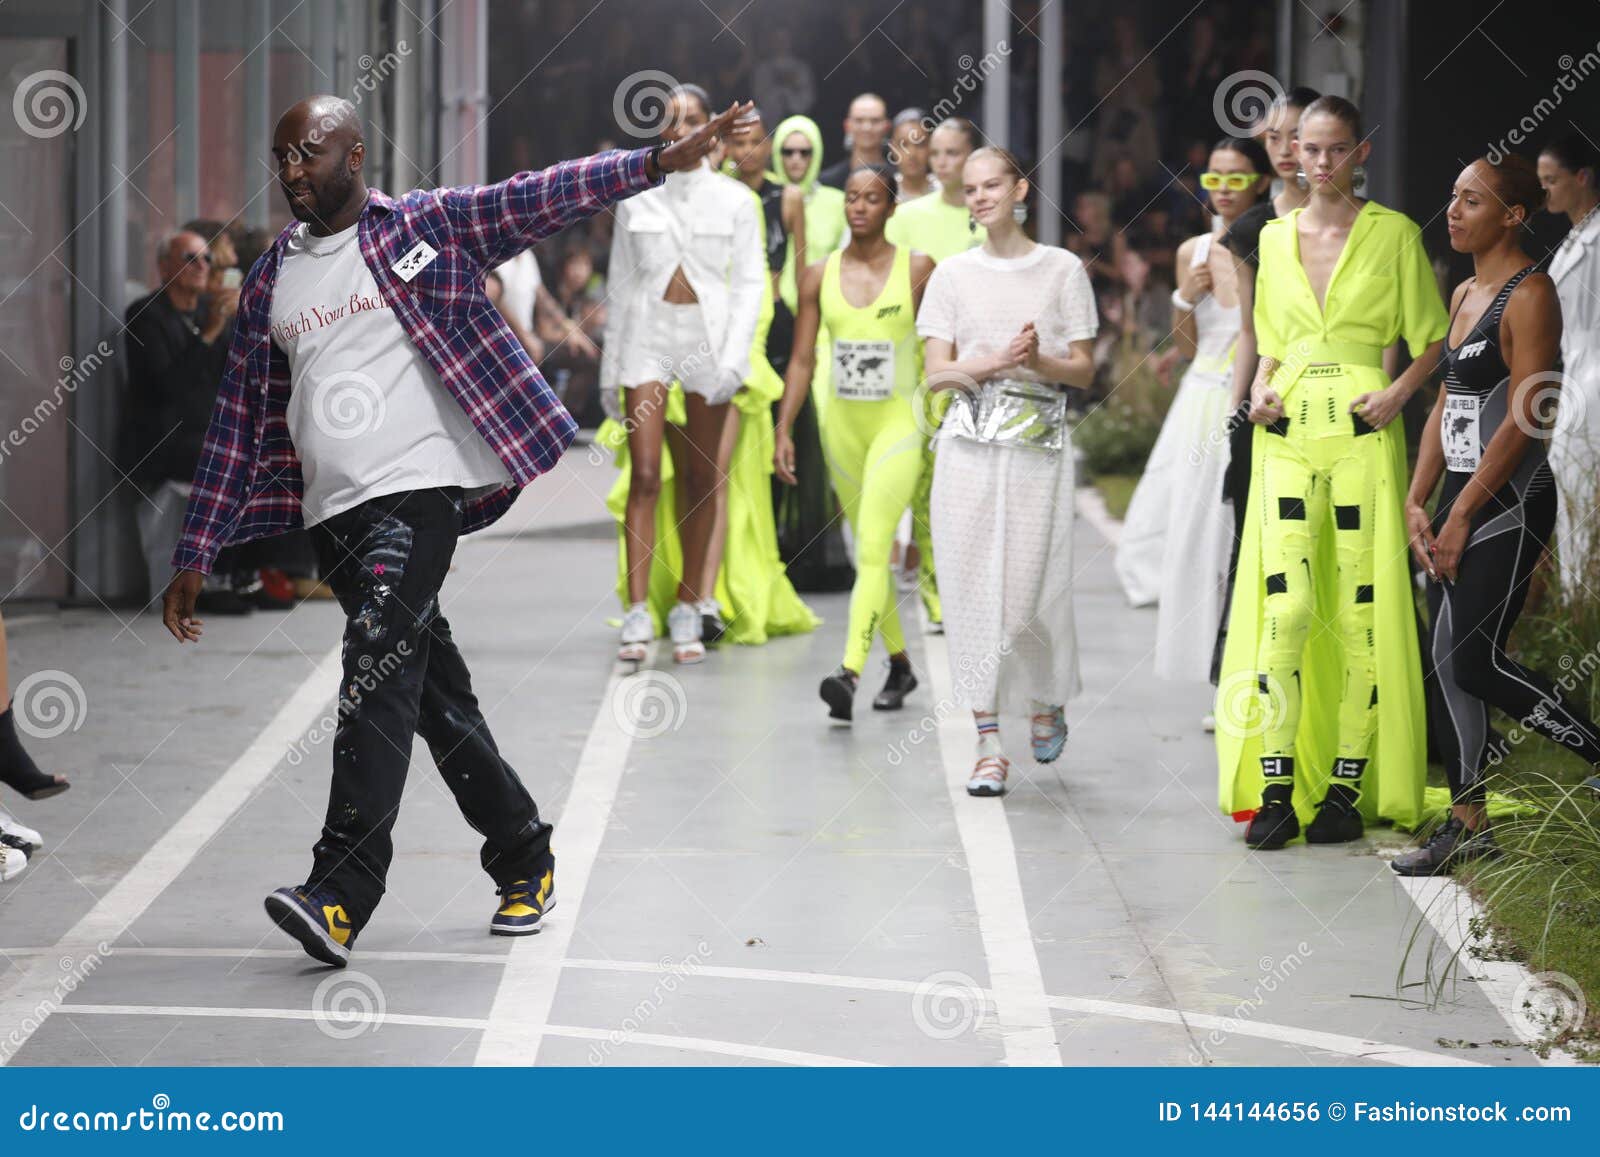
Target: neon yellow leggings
column 1320, row 475
column 875, row 458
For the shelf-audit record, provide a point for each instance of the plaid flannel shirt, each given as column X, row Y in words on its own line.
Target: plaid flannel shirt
column 249, row 484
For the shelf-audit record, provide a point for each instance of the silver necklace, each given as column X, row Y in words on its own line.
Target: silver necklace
column 339, row 248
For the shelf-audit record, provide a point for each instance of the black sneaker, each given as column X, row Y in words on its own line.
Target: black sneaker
column 838, row 691
column 1451, row 845
column 712, row 627
column 1273, row 825
column 1338, row 821
column 317, row 919
column 900, row 683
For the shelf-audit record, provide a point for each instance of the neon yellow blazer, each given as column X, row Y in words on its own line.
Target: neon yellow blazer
column 1382, row 290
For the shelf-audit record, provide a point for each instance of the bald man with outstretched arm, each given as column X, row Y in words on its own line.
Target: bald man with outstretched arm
column 374, row 394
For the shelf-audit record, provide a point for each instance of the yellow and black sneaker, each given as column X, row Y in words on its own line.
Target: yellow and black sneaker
column 317, row 919
column 525, row 903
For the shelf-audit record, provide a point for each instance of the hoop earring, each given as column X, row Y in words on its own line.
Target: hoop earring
column 1019, row 212
column 1358, row 177
column 1300, row 179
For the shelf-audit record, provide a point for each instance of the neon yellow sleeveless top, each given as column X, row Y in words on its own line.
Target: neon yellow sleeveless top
column 875, row 352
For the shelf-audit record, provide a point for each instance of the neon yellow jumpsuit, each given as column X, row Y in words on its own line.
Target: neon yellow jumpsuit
column 929, row 225
column 871, row 439
column 1321, row 664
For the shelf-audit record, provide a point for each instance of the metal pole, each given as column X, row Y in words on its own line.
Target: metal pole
column 997, row 85
column 257, row 111
column 1285, row 47
column 94, row 549
column 186, row 105
column 1052, row 30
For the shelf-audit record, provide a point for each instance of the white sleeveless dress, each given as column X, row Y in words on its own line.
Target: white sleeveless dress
column 1177, row 533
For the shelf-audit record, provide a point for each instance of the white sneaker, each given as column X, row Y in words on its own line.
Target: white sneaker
column 20, row 833
column 1208, row 723
column 11, row 862
column 638, row 630
column 683, row 624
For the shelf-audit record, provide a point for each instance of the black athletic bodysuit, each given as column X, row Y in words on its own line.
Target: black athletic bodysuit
column 1473, row 616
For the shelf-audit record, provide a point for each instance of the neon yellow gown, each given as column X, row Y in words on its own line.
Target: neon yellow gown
column 1382, row 289
column 758, row 601
column 928, row 224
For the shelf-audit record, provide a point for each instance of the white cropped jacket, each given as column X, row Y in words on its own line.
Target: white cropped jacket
column 711, row 225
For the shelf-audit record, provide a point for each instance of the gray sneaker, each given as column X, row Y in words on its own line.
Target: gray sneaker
column 638, row 630
column 1451, row 845
column 683, row 624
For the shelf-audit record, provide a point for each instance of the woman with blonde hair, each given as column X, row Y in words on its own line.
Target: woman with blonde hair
column 1006, row 326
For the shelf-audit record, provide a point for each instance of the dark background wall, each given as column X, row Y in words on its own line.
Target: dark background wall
column 1475, row 69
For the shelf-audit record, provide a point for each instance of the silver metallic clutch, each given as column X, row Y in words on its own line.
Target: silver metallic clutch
column 1010, row 412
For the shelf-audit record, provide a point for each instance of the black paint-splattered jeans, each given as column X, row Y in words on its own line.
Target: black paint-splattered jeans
column 403, row 676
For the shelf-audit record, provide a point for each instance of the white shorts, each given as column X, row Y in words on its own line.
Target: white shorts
column 672, row 343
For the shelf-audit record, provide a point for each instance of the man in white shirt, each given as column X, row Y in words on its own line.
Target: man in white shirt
column 373, row 394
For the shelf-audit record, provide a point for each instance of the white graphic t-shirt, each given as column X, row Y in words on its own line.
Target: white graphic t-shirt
column 367, row 414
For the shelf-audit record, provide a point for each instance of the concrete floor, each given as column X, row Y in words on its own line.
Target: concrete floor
column 739, row 883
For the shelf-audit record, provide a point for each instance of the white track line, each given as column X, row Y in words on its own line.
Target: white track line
column 38, row 986
column 527, row 990
column 1026, row 1027
column 1452, row 911
column 701, row 1044
column 378, row 1019
column 1337, row 1043
column 1288, row 1034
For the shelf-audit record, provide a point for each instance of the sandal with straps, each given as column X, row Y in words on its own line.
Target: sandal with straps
column 989, row 776
column 1049, row 733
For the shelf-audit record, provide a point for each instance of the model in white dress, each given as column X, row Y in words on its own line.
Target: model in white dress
column 1008, row 318
column 1177, row 533
column 1575, row 439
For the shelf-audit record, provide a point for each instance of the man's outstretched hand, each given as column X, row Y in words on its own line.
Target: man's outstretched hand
column 687, row 152
column 177, row 606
